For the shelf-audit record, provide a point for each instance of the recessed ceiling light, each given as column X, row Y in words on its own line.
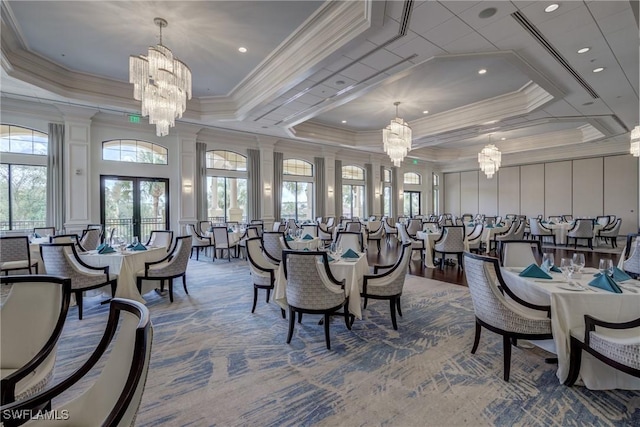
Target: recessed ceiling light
column 482, row 71
column 340, row 82
column 551, row 8
column 425, row 112
column 242, row 49
column 487, row 13
column 584, row 50
column 503, row 138
column 344, row 121
column 597, row 70
column 588, row 103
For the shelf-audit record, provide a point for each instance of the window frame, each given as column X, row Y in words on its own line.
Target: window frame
column 156, row 149
column 404, row 178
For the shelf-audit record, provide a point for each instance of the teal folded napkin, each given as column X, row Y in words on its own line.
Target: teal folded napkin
column 489, row 226
column 307, row 237
column 230, row 230
column 306, row 249
column 607, row 283
column 534, row 271
column 543, row 222
column 36, row 236
column 329, row 258
column 470, row 223
column 545, row 267
column 100, row 246
column 139, row 247
column 106, row 250
column 129, row 246
column 350, row 254
column 618, row 275
column 552, row 223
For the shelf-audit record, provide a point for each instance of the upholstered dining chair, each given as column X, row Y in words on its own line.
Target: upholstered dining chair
column 312, row 288
column 467, row 217
column 90, row 238
column 375, row 232
column 66, row 238
column 603, row 220
column 221, row 242
column 15, row 255
column 262, row 271
column 620, row 350
column 512, row 318
column 416, row 244
column 331, row 222
column 249, row 233
column 311, row 229
column 203, row 227
column 168, row 268
column 291, row 225
column 44, row 231
column 567, row 218
column 272, row 247
column 451, row 242
column 389, row 228
column 519, row 253
column 114, row 396
column 388, row 285
column 539, row 231
column 325, row 234
column 31, row 320
column 199, row 242
column 414, row 226
column 161, row 239
column 474, row 238
column 509, row 234
column 62, row 259
column 350, row 240
column 354, row 226
column 611, row 232
column 631, row 255
column 582, row 229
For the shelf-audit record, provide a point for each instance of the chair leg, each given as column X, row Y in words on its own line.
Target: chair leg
column 459, row 261
column 171, row 290
column 366, row 300
column 255, row 298
column 398, row 306
column 299, row 317
column 184, row 283
column 268, row 295
column 284, row 315
column 114, row 284
column 377, row 241
column 79, row 302
column 326, row 331
column 292, row 316
column 392, row 306
column 139, row 284
column 476, row 340
column 575, row 360
column 506, row 344
column 198, row 253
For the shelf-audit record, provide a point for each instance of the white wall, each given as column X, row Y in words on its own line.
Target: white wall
column 583, row 187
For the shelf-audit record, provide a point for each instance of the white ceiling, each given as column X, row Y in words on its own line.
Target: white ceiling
column 312, row 65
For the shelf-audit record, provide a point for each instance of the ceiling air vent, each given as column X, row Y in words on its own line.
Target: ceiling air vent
column 527, row 25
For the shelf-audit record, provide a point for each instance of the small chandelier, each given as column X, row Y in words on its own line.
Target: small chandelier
column 397, row 139
column 489, row 159
column 635, row 141
column 162, row 83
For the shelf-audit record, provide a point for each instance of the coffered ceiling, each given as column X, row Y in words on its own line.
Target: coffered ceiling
column 329, row 72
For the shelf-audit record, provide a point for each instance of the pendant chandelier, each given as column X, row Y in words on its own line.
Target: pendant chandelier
column 162, row 83
column 397, row 139
column 635, row 141
column 489, row 159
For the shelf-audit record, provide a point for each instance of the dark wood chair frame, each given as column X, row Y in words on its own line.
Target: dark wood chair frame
column 378, row 239
column 272, row 279
column 78, row 292
column 536, row 243
column 575, row 360
column 47, row 230
column 611, row 226
column 575, row 239
column 627, row 252
column 170, row 232
column 30, row 265
column 348, row 318
column 508, row 338
column 459, row 254
column 394, row 300
column 269, row 255
column 8, row 383
column 539, row 237
column 162, row 279
column 493, row 243
column 32, row 404
column 199, row 248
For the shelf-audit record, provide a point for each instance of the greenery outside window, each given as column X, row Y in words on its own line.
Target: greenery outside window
column 297, row 190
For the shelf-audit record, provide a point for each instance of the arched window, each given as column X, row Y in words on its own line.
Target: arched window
column 227, row 160
column 297, row 190
column 226, row 186
column 412, row 178
column 134, row 151
column 353, row 194
column 23, row 178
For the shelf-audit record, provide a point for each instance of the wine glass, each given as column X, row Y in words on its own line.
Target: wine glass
column 578, row 261
column 566, row 266
column 135, row 241
column 339, row 250
column 605, row 266
column 332, row 249
column 547, row 261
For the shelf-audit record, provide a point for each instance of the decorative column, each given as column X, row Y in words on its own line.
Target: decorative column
column 267, row 144
column 186, row 195
column 77, row 161
column 215, row 211
column 330, row 181
column 235, row 213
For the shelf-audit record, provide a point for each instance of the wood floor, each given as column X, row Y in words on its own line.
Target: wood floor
column 452, row 274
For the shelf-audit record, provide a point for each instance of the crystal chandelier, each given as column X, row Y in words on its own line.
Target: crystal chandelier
column 489, row 159
column 635, row 141
column 397, row 139
column 162, row 83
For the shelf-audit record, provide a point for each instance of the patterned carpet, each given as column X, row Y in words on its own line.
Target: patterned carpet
column 215, row 364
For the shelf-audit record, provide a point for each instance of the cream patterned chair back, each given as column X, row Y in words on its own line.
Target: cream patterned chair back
column 61, row 259
column 271, row 245
column 414, row 226
column 306, row 287
column 177, row 265
column 311, row 229
column 392, row 281
column 582, row 229
column 353, row 226
column 15, row 253
column 537, row 229
column 375, row 229
column 90, row 239
column 452, row 240
column 631, row 264
column 519, row 253
column 350, row 240
column 161, row 239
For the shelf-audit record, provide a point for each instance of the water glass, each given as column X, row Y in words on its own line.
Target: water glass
column 332, row 250
column 578, row 261
column 566, row 266
column 547, row 261
column 135, row 241
column 606, row 266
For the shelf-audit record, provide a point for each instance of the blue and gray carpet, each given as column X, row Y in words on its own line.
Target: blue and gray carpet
column 216, row 364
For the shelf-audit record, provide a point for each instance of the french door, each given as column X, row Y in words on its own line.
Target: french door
column 411, row 203
column 134, row 206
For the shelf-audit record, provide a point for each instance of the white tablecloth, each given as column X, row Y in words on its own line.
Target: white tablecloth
column 126, row 265
column 301, row 244
column 352, row 272
column 428, row 239
column 560, row 230
column 567, row 312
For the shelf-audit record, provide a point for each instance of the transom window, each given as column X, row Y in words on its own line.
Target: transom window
column 297, row 167
column 354, row 173
column 387, row 175
column 134, row 151
column 16, row 139
column 226, row 160
column 411, row 178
